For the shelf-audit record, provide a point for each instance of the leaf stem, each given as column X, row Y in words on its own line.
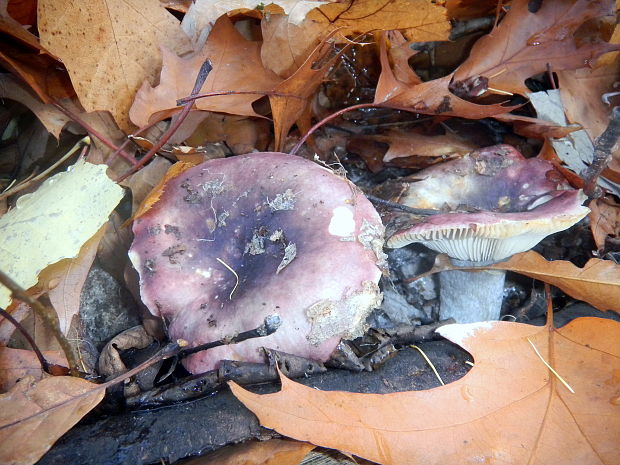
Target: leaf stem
column 200, row 79
column 44, row 363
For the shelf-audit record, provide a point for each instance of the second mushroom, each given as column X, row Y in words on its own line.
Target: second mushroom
column 497, row 203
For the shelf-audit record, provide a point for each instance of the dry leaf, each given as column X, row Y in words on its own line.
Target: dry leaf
column 287, row 44
column 509, row 409
column 234, row 60
column 604, row 220
column 65, row 280
column 10, row 26
column 204, row 13
column 524, row 43
column 50, row 116
column 34, row 415
column 109, row 47
column 302, row 85
column 407, row 144
column 470, row 9
column 19, row 363
column 54, row 222
column 272, row 452
column 597, row 283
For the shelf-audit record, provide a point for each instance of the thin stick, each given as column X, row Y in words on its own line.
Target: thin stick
column 326, row 120
column 128, row 140
column 44, row 363
column 233, row 272
column 48, row 316
column 192, row 98
column 499, row 91
column 430, row 364
column 401, row 207
column 200, row 79
column 270, row 325
column 603, row 148
column 550, row 367
column 85, row 141
column 107, row 142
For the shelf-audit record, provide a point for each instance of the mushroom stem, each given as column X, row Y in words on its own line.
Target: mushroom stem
column 471, row 296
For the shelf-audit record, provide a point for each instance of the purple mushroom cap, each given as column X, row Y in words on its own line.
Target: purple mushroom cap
column 511, row 203
column 234, row 240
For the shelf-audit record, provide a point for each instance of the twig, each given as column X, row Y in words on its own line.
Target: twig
column 401, row 207
column 29, row 182
column 45, row 366
column 107, row 142
column 48, row 316
column 269, row 326
column 127, row 141
column 205, row 69
column 192, row 98
column 326, row 120
column 602, row 155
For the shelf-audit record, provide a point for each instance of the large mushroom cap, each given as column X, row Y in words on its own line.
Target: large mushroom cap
column 518, row 201
column 234, row 240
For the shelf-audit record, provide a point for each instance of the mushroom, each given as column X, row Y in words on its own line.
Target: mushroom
column 499, row 204
column 234, row 240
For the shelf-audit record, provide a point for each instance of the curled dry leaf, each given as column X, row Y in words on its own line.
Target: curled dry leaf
column 273, row 452
column 54, row 222
column 16, row 364
column 508, row 409
column 34, row 415
column 525, row 43
column 597, row 283
column 10, row 26
column 52, row 118
column 604, row 220
column 109, row 47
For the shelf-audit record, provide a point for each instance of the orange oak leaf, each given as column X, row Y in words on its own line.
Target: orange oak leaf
column 429, row 98
column 236, row 67
column 109, row 47
column 597, row 283
column 33, row 415
column 525, row 43
column 509, row 409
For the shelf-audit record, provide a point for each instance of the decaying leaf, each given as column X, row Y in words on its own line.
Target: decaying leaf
column 109, row 47
column 33, row 415
column 15, row 364
column 203, row 14
column 10, row 26
column 604, row 220
column 597, row 283
column 52, row 118
column 64, row 281
column 525, row 43
column 273, row 452
column 509, row 409
column 234, row 59
column 54, row 222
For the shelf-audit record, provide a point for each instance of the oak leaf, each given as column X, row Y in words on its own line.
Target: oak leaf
column 34, row 415
column 236, row 67
column 509, row 409
column 597, row 283
column 524, row 43
column 109, row 47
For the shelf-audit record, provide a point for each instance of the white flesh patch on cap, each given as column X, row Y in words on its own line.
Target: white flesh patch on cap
column 342, row 223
